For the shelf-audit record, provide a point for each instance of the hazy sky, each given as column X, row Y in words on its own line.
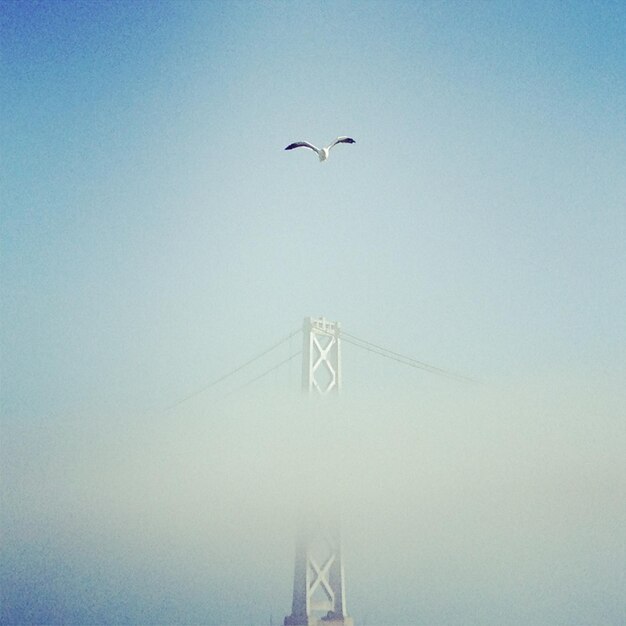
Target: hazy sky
column 155, row 235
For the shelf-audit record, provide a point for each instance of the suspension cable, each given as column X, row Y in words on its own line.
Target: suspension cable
column 265, row 373
column 401, row 358
column 208, row 386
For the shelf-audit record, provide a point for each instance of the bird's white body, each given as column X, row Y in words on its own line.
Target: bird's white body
column 322, row 153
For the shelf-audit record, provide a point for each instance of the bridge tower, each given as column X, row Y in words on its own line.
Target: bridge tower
column 319, row 596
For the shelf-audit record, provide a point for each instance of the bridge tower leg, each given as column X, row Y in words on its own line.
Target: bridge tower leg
column 318, row 580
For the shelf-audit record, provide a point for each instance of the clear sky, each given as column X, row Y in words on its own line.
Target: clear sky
column 155, row 234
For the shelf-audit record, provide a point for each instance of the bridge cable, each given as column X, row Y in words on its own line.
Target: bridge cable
column 401, row 358
column 208, row 386
column 265, row 373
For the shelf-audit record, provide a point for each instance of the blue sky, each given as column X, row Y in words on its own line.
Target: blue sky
column 155, row 235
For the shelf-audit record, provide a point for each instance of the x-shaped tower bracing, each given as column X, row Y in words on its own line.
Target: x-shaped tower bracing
column 321, row 358
column 321, row 581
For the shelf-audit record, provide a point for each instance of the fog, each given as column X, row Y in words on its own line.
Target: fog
column 155, row 236
column 489, row 506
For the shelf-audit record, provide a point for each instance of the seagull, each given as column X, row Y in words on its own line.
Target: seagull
column 322, row 153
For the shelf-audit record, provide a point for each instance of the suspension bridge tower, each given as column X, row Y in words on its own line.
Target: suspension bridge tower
column 319, row 595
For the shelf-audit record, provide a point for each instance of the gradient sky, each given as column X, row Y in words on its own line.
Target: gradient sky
column 154, row 235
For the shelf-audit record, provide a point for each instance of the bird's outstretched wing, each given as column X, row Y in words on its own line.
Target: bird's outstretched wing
column 302, row 144
column 341, row 140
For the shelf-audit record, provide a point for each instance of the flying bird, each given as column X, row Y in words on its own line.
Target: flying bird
column 322, row 153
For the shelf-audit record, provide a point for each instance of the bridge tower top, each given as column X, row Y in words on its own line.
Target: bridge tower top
column 321, row 356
